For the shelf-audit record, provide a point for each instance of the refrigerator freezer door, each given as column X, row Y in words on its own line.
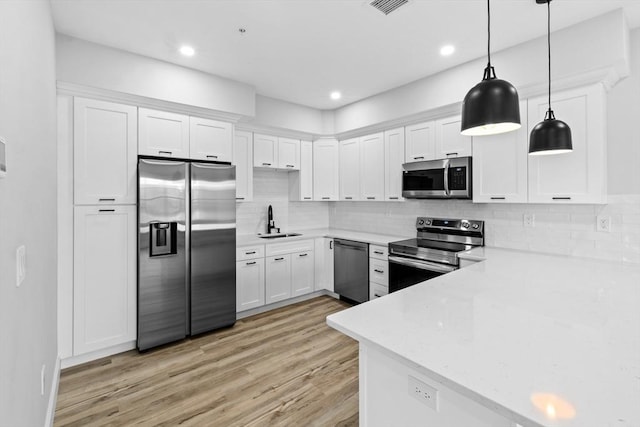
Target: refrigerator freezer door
column 213, row 243
column 162, row 274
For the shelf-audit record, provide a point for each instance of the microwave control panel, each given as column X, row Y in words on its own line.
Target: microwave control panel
column 458, row 178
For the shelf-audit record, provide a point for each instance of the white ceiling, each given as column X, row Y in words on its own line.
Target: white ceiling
column 301, row 50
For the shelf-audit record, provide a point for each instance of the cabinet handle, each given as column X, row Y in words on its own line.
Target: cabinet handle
column 165, row 152
column 303, row 254
column 561, row 198
column 331, row 244
column 393, row 198
column 307, row 198
column 326, row 198
column 251, row 263
column 451, row 154
column 250, row 253
column 371, row 198
column 378, row 252
column 266, row 164
column 419, row 158
column 279, row 259
column 379, row 271
column 498, row 198
column 348, row 198
column 106, row 200
column 289, row 166
column 106, row 210
column 377, row 295
column 239, row 198
column 212, row 157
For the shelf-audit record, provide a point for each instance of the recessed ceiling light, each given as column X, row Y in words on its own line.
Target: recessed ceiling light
column 187, row 50
column 447, row 50
column 336, row 95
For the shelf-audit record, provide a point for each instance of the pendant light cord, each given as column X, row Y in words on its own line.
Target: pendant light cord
column 488, row 34
column 549, row 114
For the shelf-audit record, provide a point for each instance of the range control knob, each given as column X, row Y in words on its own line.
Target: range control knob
column 428, row 222
column 476, row 226
column 421, row 222
column 465, row 224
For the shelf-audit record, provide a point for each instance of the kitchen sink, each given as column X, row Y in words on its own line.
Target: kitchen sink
column 278, row 235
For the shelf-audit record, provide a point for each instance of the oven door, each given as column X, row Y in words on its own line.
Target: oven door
column 405, row 272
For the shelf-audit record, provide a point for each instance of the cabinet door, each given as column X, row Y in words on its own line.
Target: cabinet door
column 265, row 151
column 328, row 263
column 449, row 141
column 325, row 169
column 372, row 167
column 210, row 140
column 105, row 152
column 500, row 165
column 394, row 158
column 578, row 176
column 302, row 275
column 243, row 160
column 163, row 134
column 250, row 284
column 420, row 143
column 301, row 183
column 278, row 281
column 288, row 153
column 350, row 169
column 104, row 300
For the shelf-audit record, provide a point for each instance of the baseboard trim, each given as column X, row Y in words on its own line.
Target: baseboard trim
column 53, row 394
column 98, row 354
column 284, row 303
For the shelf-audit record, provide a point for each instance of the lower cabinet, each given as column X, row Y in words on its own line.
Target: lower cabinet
column 278, row 283
column 104, row 301
column 249, row 284
column 378, row 271
column 302, row 276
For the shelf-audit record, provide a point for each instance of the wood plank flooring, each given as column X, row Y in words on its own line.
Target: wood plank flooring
column 281, row 368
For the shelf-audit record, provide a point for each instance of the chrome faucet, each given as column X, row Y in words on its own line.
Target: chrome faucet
column 271, row 225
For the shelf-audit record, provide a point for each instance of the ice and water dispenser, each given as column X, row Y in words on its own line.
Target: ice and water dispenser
column 163, row 238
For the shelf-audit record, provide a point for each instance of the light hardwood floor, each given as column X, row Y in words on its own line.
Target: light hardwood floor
column 281, row 368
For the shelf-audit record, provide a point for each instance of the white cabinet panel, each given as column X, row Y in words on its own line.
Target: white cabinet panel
column 302, row 275
column 278, row 278
column 323, row 263
column 578, row 176
column 500, row 165
column 265, row 151
column 449, row 141
column 104, row 277
column 377, row 290
column 372, row 176
column 243, row 160
column 394, row 158
column 378, row 271
column 163, row 134
column 249, row 252
column 288, row 153
column 325, row 169
column 301, row 183
column 105, row 152
column 250, row 284
column 350, row 169
column 210, row 140
column 420, row 142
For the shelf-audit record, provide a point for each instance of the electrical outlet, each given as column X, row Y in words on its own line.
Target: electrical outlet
column 21, row 265
column 423, row 392
column 603, row 223
column 529, row 220
column 42, row 380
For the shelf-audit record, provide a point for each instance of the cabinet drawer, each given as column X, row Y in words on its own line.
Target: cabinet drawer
column 377, row 290
column 289, row 247
column 378, row 271
column 378, row 252
column 249, row 252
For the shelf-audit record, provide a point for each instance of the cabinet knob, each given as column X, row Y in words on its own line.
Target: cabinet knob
column 165, row 152
column 303, row 254
column 289, row 166
column 212, row 157
column 419, row 158
column 279, row 259
column 379, row 271
column 378, row 252
column 451, row 154
column 251, row 263
column 266, row 164
column 250, row 253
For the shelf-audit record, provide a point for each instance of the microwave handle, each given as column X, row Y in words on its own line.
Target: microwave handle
column 446, row 178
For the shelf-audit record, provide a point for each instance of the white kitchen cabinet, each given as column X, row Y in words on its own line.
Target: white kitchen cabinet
column 325, row 169
column 250, row 284
column 372, row 160
column 578, row 176
column 243, row 160
column 500, row 165
column 104, row 300
column 378, row 271
column 288, row 154
column 449, row 141
column 302, row 274
column 105, row 152
column 210, row 140
column 420, row 142
column 278, row 278
column 301, row 183
column 350, row 169
column 394, row 158
column 163, row 134
column 265, row 151
column 324, row 263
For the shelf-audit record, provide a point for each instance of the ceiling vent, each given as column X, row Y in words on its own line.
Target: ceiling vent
column 388, row 6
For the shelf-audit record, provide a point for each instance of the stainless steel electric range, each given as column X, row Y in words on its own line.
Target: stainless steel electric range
column 433, row 252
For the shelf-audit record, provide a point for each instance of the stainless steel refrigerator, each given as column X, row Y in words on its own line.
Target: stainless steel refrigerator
column 186, row 249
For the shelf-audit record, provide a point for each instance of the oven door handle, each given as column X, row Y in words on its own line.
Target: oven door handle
column 422, row 265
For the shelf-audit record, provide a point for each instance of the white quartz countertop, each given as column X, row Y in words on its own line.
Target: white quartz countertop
column 372, row 238
column 518, row 325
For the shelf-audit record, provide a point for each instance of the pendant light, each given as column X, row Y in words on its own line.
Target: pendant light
column 491, row 106
column 550, row 136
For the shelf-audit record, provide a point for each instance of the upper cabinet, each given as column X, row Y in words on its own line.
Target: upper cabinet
column 163, row 134
column 449, row 141
column 372, row 176
column 325, row 169
column 301, row 183
column 578, row 176
column 242, row 159
column 350, row 169
column 420, row 142
column 210, row 140
column 288, row 153
column 394, row 158
column 105, row 151
column 265, row 151
column 500, row 165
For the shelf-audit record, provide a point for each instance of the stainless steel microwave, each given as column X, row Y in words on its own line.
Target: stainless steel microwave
column 437, row 179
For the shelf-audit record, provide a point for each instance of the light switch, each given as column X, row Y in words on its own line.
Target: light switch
column 21, row 265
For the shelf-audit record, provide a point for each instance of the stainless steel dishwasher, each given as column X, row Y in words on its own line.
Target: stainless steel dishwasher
column 351, row 269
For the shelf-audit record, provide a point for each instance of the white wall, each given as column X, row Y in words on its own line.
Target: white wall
column 27, row 209
column 278, row 114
